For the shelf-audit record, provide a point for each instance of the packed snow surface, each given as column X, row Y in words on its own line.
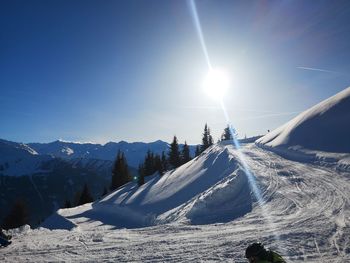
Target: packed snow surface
column 204, row 211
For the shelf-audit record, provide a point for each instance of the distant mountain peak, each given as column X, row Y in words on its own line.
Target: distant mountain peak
column 73, row 142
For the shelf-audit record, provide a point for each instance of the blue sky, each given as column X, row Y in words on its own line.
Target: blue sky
column 133, row 70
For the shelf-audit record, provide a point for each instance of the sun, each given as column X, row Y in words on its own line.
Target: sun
column 216, row 83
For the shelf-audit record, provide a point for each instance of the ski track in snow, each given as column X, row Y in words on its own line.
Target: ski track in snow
column 308, row 221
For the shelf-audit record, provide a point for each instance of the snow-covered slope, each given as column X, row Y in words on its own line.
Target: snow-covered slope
column 303, row 213
column 321, row 133
column 214, row 177
column 211, row 208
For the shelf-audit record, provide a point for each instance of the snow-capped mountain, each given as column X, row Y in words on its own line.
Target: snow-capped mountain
column 134, row 152
column 320, row 133
column 44, row 181
column 53, row 173
column 18, row 159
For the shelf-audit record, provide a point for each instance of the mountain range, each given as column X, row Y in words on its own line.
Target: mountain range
column 134, row 152
column 46, row 175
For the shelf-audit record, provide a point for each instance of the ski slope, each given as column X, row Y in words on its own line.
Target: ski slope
column 304, row 214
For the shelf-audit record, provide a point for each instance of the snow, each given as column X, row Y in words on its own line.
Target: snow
column 206, row 210
column 67, row 151
column 17, row 159
column 319, row 134
column 304, row 215
column 139, row 206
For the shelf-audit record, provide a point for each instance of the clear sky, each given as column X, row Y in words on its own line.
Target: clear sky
column 133, row 70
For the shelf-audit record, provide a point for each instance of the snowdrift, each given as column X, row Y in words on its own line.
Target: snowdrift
column 211, row 188
column 318, row 134
column 228, row 199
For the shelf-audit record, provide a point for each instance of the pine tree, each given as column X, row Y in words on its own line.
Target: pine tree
column 18, row 215
column 227, row 134
column 85, row 196
column 174, row 154
column 126, row 175
column 207, row 139
column 158, row 166
column 198, row 151
column 164, row 163
column 210, row 138
column 141, row 177
column 149, row 163
column 120, row 172
column 185, row 154
column 116, row 178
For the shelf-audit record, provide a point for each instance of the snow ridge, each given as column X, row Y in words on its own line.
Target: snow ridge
column 320, row 134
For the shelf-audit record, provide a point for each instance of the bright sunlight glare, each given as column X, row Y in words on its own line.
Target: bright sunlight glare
column 216, row 83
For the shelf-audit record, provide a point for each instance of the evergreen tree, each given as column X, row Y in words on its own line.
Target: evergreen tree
column 149, row 164
column 164, row 163
column 207, row 139
column 185, row 154
column 116, row 178
column 174, row 154
column 85, row 196
column 153, row 163
column 18, row 215
column 227, row 134
column 141, row 177
column 120, row 172
column 158, row 166
column 198, row 151
column 126, row 175
column 210, row 139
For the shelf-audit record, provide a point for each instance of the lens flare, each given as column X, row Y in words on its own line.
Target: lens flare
column 214, row 81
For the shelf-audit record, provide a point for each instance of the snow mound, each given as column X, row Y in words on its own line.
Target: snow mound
column 210, row 188
column 228, row 199
column 315, row 133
